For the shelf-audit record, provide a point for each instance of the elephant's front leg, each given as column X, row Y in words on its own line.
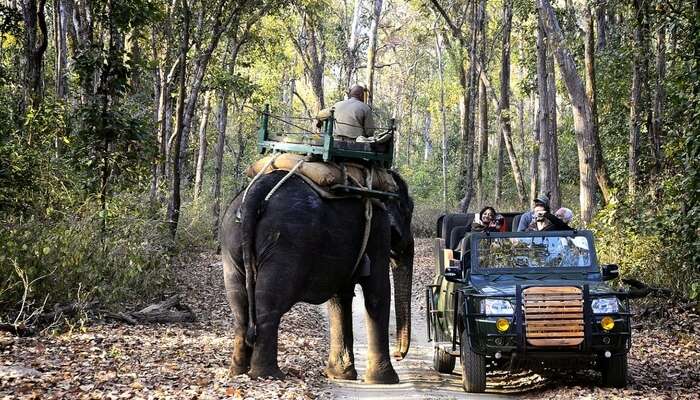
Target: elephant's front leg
column 341, row 360
column 376, row 290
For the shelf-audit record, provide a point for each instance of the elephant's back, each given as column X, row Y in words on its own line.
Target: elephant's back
column 318, row 239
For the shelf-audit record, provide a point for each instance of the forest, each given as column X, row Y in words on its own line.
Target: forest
column 126, row 126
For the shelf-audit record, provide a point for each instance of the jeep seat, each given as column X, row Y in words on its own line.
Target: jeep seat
column 451, row 221
column 457, row 234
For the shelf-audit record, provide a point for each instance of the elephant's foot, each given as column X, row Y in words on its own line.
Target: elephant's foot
column 240, row 360
column 266, row 372
column 383, row 373
column 335, row 371
column 237, row 369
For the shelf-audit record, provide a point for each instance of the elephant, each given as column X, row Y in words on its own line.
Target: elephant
column 296, row 246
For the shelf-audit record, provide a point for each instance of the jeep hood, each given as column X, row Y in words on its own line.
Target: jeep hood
column 505, row 285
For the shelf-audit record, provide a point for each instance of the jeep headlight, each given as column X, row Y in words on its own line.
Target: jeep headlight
column 605, row 305
column 496, row 307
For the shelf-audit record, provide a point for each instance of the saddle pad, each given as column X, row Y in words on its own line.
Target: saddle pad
column 326, row 174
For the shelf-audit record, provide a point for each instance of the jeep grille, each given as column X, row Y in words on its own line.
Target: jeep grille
column 553, row 316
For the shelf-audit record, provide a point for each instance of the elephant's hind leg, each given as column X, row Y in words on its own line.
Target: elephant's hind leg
column 238, row 301
column 341, row 360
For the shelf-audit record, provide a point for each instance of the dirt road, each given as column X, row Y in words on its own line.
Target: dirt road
column 96, row 359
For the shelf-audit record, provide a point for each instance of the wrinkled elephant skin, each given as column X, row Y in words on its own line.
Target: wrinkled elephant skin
column 298, row 247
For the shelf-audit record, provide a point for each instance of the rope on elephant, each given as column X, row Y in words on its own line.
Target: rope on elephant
column 281, row 182
column 259, row 174
column 368, row 222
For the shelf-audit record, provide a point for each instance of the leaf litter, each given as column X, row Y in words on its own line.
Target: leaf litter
column 108, row 360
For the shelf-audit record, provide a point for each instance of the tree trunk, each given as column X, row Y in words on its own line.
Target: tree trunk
column 543, row 106
column 61, row 22
column 504, row 103
column 483, row 137
column 589, row 54
column 468, row 111
column 483, row 143
column 221, row 124
column 498, row 181
column 372, row 49
column 656, row 133
column 174, row 205
column 221, row 121
column 548, row 149
column 535, row 158
column 35, row 45
column 552, row 187
column 635, row 101
column 351, row 49
column 441, row 72
column 310, row 46
column 581, row 110
column 427, row 143
column 202, row 155
column 601, row 24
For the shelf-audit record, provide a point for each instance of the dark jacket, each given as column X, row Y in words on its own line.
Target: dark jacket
column 552, row 223
column 478, row 227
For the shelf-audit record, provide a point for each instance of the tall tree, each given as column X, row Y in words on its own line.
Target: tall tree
column 483, row 106
column 352, row 46
column 372, row 48
column 202, row 153
column 61, row 48
column 601, row 171
column 583, row 121
column 443, row 118
column 656, row 133
column 36, row 42
column 548, row 147
column 467, row 81
column 310, row 44
column 174, row 204
column 635, row 120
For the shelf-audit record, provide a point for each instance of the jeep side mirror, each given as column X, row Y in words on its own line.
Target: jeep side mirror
column 610, row 271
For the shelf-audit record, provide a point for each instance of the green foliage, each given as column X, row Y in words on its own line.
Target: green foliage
column 63, row 255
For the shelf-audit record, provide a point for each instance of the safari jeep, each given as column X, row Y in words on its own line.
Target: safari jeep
column 524, row 299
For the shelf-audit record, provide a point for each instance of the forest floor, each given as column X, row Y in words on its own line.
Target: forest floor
column 102, row 359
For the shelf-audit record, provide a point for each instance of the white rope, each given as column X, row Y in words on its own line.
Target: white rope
column 368, row 221
column 290, row 173
column 259, row 174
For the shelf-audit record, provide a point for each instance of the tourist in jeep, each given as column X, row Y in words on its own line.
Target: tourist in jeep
column 526, row 218
column 544, row 220
column 489, row 221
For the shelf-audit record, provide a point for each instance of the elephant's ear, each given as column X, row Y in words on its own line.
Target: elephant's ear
column 396, row 227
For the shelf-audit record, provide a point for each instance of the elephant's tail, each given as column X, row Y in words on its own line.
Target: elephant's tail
column 249, row 212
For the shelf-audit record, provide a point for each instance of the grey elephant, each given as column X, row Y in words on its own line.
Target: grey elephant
column 298, row 247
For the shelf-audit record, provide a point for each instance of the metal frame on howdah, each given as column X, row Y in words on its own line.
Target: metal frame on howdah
column 508, row 317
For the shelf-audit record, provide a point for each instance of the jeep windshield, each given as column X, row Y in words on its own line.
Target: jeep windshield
column 533, row 251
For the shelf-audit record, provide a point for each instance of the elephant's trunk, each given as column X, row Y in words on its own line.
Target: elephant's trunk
column 402, row 270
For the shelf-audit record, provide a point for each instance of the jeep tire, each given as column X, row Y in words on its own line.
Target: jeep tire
column 473, row 368
column 614, row 370
column 443, row 361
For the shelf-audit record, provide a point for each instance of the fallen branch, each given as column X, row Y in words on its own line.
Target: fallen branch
column 169, row 310
column 17, row 329
column 641, row 289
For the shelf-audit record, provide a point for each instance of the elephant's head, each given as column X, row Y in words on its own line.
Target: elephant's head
column 400, row 214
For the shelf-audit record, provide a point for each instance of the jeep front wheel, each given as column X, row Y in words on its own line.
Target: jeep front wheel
column 443, row 361
column 473, row 368
column 614, row 371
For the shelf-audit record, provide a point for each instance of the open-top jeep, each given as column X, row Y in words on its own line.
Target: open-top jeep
column 524, row 299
